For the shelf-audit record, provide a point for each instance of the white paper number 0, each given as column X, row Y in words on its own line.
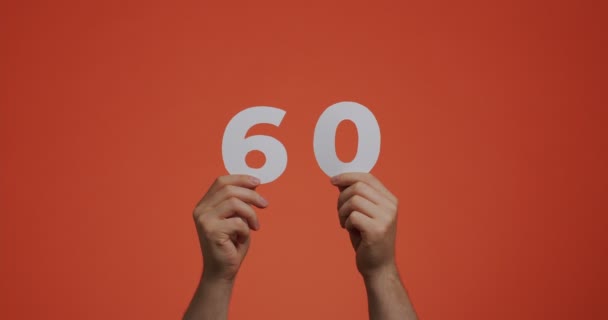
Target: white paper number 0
column 235, row 146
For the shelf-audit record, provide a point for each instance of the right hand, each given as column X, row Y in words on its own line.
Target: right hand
column 224, row 218
column 368, row 210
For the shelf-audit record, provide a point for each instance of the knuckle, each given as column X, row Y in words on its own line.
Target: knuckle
column 350, row 216
column 341, row 200
column 388, row 220
column 229, row 191
column 220, row 181
column 394, row 200
column 382, row 228
column 393, row 206
column 387, row 215
column 204, row 223
column 199, row 211
column 355, row 202
column 250, row 214
column 344, row 194
column 241, row 224
column 233, row 202
column 367, row 177
column 359, row 187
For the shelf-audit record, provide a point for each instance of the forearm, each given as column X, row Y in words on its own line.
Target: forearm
column 211, row 300
column 387, row 298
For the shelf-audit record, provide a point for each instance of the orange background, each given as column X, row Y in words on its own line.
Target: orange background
column 493, row 120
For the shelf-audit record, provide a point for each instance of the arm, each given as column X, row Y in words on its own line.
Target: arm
column 368, row 211
column 387, row 298
column 223, row 218
column 211, row 299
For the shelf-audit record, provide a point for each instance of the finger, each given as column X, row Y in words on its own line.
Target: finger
column 358, row 221
column 234, row 207
column 349, row 178
column 241, row 180
column 231, row 191
column 357, row 203
column 362, row 189
column 236, row 228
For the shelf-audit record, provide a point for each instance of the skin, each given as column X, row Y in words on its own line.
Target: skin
column 225, row 217
column 368, row 211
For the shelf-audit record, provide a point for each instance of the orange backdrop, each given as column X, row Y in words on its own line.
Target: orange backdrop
column 493, row 121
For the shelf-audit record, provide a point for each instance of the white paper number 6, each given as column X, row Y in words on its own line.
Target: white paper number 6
column 235, row 146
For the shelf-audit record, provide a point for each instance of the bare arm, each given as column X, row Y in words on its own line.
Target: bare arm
column 369, row 212
column 223, row 218
column 211, row 300
column 387, row 298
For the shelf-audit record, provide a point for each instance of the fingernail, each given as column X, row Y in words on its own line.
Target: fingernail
column 254, row 180
column 334, row 179
column 257, row 225
column 263, row 201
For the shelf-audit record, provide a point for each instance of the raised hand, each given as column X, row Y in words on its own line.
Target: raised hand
column 224, row 219
column 369, row 212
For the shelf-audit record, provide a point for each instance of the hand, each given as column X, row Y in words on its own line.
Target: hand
column 224, row 218
column 369, row 212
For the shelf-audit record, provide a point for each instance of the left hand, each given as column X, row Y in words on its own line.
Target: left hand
column 368, row 210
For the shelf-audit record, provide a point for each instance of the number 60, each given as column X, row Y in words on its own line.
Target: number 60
column 235, row 146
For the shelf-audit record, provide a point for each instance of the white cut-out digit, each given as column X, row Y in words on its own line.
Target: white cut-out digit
column 324, row 143
column 235, row 146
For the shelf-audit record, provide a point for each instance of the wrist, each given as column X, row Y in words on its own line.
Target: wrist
column 211, row 299
column 388, row 272
column 217, row 281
